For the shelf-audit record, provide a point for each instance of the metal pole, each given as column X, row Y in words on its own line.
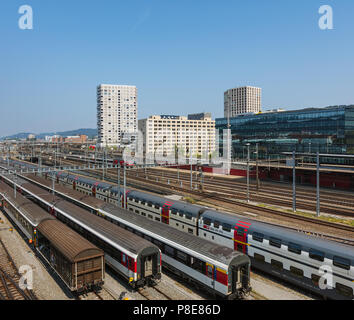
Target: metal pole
column 53, row 185
column 294, row 183
column 191, row 172
column 15, row 184
column 124, row 187
column 119, row 197
column 318, row 185
column 103, row 163
column 248, row 173
column 257, row 167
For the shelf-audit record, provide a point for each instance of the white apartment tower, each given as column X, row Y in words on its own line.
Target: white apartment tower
column 117, row 107
column 242, row 100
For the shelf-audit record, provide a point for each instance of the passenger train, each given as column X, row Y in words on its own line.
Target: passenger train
column 215, row 268
column 76, row 261
column 135, row 259
column 286, row 254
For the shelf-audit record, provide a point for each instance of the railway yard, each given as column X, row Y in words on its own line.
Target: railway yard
column 269, row 205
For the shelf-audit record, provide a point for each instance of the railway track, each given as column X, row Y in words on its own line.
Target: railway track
column 334, row 227
column 148, row 295
column 328, row 230
column 10, row 279
column 267, row 195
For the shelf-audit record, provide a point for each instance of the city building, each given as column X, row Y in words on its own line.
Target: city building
column 31, row 137
column 242, row 100
column 327, row 130
column 167, row 134
column 117, row 107
column 76, row 139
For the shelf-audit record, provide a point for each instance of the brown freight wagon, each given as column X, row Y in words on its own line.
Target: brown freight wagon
column 77, row 261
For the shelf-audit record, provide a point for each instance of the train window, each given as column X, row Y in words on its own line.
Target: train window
column 149, row 204
column 174, row 212
column 157, row 206
column 275, row 242
column 207, row 221
column 295, row 248
column 143, row 202
column 150, row 216
column 197, row 264
column 344, row 290
column 276, row 264
column 123, row 258
column 259, row 257
column 315, row 279
column 181, row 256
column 226, row 227
column 256, row 236
column 136, row 211
column 190, row 230
column 216, row 224
column 131, row 209
column 297, row 272
column 316, row 255
column 169, row 251
column 157, row 219
column 341, row 263
column 143, row 214
column 188, row 216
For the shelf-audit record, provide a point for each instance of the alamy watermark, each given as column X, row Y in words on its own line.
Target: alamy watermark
column 326, row 277
column 26, row 280
column 326, row 20
column 25, row 22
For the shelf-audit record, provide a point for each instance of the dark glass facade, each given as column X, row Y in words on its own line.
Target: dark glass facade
column 327, row 130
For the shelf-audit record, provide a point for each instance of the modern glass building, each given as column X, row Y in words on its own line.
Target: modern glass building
column 327, row 130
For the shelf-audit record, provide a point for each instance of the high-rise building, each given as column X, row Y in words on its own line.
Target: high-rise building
column 117, row 108
column 167, row 134
column 242, row 100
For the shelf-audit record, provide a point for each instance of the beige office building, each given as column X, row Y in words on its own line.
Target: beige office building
column 117, row 108
column 242, row 100
column 191, row 136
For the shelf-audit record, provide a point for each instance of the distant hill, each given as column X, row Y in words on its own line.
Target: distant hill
column 23, row 135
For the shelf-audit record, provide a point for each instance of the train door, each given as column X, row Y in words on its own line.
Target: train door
column 165, row 214
column 148, row 266
column 94, row 190
column 210, row 272
column 240, row 237
column 235, row 279
column 74, row 185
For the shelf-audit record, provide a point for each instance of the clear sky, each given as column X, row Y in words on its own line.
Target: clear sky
column 181, row 54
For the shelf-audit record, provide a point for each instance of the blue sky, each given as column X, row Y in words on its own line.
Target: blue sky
column 182, row 55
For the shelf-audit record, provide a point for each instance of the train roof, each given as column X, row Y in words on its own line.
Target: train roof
column 33, row 213
column 89, row 181
column 330, row 248
column 183, row 241
column 187, row 241
column 180, row 206
column 73, row 246
column 115, row 235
